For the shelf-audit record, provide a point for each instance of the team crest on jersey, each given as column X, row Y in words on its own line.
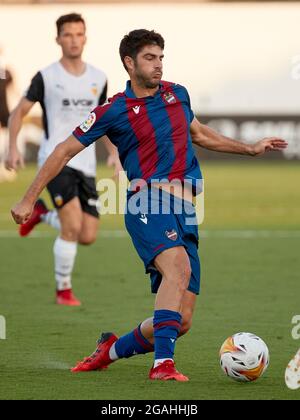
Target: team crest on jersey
column 172, row 235
column 170, row 98
column 87, row 124
column 59, row 201
column 94, row 89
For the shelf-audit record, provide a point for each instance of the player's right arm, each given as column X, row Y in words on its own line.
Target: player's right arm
column 35, row 93
column 14, row 159
column 96, row 126
column 61, row 155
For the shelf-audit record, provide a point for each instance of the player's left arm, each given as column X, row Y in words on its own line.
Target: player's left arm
column 206, row 137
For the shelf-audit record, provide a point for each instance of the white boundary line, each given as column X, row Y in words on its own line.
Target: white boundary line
column 203, row 234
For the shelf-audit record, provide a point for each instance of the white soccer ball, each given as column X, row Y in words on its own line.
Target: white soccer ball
column 244, row 357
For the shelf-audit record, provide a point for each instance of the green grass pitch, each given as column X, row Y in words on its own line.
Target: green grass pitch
column 249, row 248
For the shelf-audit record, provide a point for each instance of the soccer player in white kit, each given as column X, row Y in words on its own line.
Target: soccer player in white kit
column 67, row 90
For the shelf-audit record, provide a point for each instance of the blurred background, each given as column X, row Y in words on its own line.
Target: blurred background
column 239, row 60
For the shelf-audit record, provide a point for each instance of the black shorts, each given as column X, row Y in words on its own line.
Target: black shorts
column 72, row 183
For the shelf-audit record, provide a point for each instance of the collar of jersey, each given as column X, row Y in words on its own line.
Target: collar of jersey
column 130, row 94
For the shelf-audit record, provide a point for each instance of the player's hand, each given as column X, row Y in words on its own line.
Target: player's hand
column 14, row 160
column 114, row 161
column 22, row 212
column 267, row 145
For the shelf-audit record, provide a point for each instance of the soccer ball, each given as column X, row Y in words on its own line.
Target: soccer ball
column 244, row 357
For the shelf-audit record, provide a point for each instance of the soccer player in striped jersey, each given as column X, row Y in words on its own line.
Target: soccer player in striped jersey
column 67, row 91
column 153, row 126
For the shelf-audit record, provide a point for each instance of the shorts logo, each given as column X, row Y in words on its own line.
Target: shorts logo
column 59, row 201
column 144, row 219
column 88, row 123
column 172, row 235
column 95, row 203
column 170, row 98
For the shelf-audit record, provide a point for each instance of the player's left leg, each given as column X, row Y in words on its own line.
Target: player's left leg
column 187, row 311
column 139, row 341
column 5, row 175
column 90, row 205
column 89, row 229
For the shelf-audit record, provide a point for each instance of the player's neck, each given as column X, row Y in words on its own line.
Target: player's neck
column 73, row 66
column 142, row 91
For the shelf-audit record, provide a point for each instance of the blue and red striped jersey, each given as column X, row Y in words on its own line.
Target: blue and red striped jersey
column 152, row 134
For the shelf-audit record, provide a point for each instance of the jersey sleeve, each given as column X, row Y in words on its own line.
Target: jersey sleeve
column 187, row 100
column 97, row 124
column 192, row 115
column 103, row 96
column 35, row 92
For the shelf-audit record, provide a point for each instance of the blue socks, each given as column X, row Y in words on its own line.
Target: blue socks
column 133, row 343
column 167, row 325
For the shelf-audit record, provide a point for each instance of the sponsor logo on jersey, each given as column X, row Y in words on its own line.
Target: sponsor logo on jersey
column 172, row 235
column 170, row 98
column 88, row 123
column 59, row 201
column 78, row 102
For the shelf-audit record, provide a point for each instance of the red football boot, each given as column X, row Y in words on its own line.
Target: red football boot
column 66, row 297
column 100, row 358
column 166, row 371
column 38, row 210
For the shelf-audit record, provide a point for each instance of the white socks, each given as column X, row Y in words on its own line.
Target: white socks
column 51, row 218
column 64, row 258
column 112, row 353
column 158, row 362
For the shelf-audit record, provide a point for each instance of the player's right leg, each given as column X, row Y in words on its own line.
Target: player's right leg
column 65, row 251
column 174, row 266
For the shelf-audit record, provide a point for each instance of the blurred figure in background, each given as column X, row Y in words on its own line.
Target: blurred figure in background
column 5, row 82
column 67, row 90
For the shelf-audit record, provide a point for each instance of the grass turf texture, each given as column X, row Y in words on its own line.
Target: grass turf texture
column 250, row 282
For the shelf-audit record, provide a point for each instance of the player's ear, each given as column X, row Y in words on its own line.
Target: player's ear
column 129, row 62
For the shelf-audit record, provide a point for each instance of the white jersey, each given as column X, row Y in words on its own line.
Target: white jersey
column 66, row 101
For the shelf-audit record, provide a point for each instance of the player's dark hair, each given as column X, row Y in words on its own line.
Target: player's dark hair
column 136, row 40
column 70, row 18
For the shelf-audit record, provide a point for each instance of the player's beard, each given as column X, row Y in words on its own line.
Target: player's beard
column 148, row 82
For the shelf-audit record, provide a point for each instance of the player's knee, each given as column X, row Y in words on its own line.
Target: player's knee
column 186, row 324
column 71, row 233
column 183, row 274
column 87, row 238
column 185, row 327
column 180, row 262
